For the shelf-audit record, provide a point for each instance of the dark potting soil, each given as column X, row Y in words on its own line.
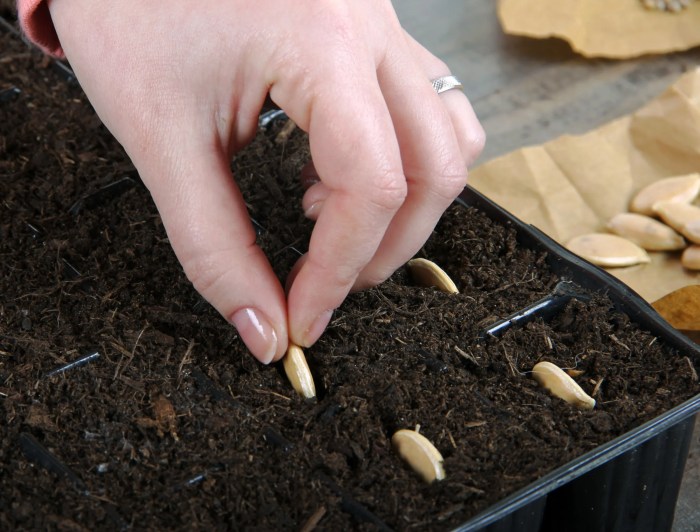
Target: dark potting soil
column 167, row 422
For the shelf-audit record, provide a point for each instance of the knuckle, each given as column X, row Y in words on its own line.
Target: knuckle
column 474, row 144
column 208, row 271
column 389, row 191
column 203, row 272
column 343, row 275
column 450, row 184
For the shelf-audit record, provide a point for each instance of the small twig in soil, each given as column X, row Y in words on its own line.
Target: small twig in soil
column 596, row 388
column 313, row 521
column 693, row 373
column 394, row 308
column 618, row 342
column 270, row 392
column 285, row 132
column 75, row 364
column 548, row 341
column 70, row 272
column 466, row 355
column 511, row 364
column 186, row 359
column 452, row 439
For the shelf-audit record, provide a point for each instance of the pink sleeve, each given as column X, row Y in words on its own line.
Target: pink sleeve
column 35, row 20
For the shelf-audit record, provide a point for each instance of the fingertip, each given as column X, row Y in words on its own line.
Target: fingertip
column 259, row 335
column 314, row 331
column 313, row 200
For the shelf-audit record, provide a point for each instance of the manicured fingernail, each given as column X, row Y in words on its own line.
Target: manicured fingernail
column 317, row 327
column 257, row 333
column 313, row 211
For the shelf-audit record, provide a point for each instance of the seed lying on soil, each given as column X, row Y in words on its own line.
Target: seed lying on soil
column 419, row 453
column 426, row 273
column 646, row 232
column 682, row 189
column 607, row 250
column 555, row 379
column 298, row 372
column 691, row 257
column 682, row 217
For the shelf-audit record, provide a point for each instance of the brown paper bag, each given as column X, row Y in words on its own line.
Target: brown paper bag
column 575, row 184
column 602, row 28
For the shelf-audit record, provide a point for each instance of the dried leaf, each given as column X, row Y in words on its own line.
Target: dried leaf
column 681, row 308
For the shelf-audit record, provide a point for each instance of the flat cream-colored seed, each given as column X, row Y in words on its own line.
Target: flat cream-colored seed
column 555, row 379
column 646, row 232
column 691, row 257
column 606, row 250
column 426, row 273
column 682, row 189
column 681, row 216
column 419, row 453
column 692, row 231
column 298, row 372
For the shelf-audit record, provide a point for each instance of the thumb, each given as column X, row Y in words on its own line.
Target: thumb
column 211, row 233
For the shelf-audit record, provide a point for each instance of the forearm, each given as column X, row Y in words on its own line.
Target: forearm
column 36, row 24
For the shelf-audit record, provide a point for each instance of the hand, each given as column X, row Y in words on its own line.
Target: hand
column 181, row 83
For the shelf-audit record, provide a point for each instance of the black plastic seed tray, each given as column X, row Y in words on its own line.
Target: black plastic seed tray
column 630, row 483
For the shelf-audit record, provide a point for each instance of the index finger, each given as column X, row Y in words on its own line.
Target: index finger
column 356, row 154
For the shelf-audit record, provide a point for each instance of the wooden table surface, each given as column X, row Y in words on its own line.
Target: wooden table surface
column 528, row 91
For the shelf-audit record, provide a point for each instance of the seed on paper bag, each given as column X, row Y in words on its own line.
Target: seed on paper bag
column 608, row 250
column 646, row 232
column 682, row 189
column 691, row 257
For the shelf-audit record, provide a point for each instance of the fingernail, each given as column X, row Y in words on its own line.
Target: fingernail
column 257, row 333
column 316, row 329
column 313, row 210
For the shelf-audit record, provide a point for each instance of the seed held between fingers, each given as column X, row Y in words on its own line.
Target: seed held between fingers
column 682, row 189
column 608, row 250
column 298, row 372
column 419, row 453
column 426, row 273
column 555, row 379
column 646, row 232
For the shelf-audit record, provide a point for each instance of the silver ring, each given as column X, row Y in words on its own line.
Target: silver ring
column 446, row 83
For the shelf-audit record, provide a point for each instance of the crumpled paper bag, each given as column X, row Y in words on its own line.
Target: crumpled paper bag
column 603, row 28
column 575, row 184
